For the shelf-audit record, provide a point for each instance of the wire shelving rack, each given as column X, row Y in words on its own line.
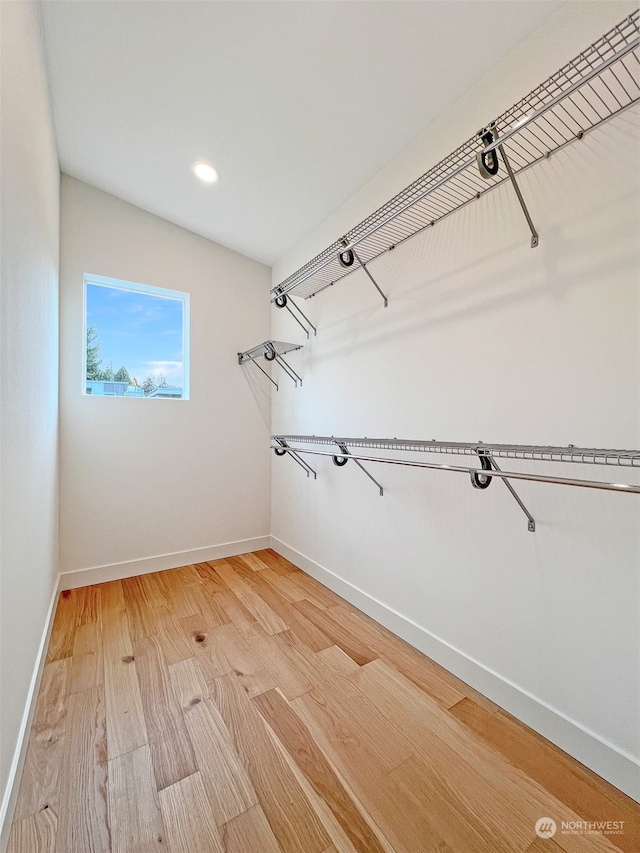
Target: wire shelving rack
column 271, row 351
column 597, row 85
column 485, row 455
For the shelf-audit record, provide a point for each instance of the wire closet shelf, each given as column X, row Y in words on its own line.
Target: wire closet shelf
column 598, row 84
column 485, row 455
column 271, row 351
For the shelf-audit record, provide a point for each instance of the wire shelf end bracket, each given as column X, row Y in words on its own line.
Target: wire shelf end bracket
column 283, row 449
column 341, row 460
column 281, row 300
column 271, row 351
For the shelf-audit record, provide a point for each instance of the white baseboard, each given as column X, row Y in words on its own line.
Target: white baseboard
column 10, row 795
column 131, row 568
column 605, row 759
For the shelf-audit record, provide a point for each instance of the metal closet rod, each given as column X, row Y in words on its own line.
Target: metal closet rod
column 626, row 458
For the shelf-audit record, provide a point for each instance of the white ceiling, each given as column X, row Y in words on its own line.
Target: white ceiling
column 297, row 104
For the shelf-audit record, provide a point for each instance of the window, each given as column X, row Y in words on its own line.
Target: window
column 136, row 340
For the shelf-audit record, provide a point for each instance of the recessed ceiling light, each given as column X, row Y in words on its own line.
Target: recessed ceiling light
column 205, row 171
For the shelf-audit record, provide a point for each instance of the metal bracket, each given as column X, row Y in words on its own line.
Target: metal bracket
column 491, row 139
column 527, row 216
column 285, row 449
column 283, row 301
column 483, row 480
column 531, row 524
column 344, row 459
column 241, row 360
column 351, row 251
column 272, row 351
column 288, row 369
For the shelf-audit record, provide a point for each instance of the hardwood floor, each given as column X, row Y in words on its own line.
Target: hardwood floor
column 238, row 706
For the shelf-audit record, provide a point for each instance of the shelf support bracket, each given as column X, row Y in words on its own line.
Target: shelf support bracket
column 285, row 449
column 374, row 282
column 534, row 234
column 531, row 524
column 344, row 458
column 288, row 369
column 283, row 301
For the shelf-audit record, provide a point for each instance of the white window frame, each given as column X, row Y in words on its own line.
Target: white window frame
column 135, row 287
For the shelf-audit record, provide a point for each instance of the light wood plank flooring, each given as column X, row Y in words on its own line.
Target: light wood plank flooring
column 239, row 706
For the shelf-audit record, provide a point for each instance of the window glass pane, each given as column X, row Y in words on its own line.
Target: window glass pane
column 136, row 340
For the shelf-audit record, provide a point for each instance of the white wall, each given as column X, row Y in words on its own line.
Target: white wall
column 146, row 479
column 486, row 339
column 28, row 369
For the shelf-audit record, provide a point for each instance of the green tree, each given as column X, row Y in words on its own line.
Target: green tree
column 93, row 354
column 122, row 375
column 148, row 386
column 108, row 375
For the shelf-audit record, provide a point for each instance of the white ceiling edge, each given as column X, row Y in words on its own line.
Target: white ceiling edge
column 573, row 28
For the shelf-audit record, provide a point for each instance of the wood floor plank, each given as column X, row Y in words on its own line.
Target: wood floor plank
column 249, row 832
column 302, row 627
column 64, row 627
column 380, row 797
column 424, row 672
column 245, row 663
column 34, row 834
column 171, row 752
column 134, row 806
column 88, row 604
column 388, row 743
column 182, row 589
column 228, row 787
column 142, row 601
column 189, row 826
column 462, row 829
column 171, row 637
column 126, row 728
column 289, row 669
column 207, row 652
column 253, row 561
column 83, row 822
column 288, row 811
column 211, row 608
column 238, row 615
column 465, row 769
column 87, row 667
column 189, row 685
column 41, row 773
column 419, row 669
column 340, row 635
column 283, row 585
column 571, row 782
column 275, row 562
column 297, row 739
column 231, row 579
column 263, row 614
column 111, row 600
column 317, row 591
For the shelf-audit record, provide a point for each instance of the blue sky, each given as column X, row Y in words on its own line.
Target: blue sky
column 141, row 331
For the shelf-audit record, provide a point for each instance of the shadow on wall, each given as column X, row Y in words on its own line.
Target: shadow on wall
column 260, row 387
column 470, row 264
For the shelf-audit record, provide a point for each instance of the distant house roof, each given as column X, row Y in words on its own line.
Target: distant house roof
column 100, row 388
column 166, row 391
